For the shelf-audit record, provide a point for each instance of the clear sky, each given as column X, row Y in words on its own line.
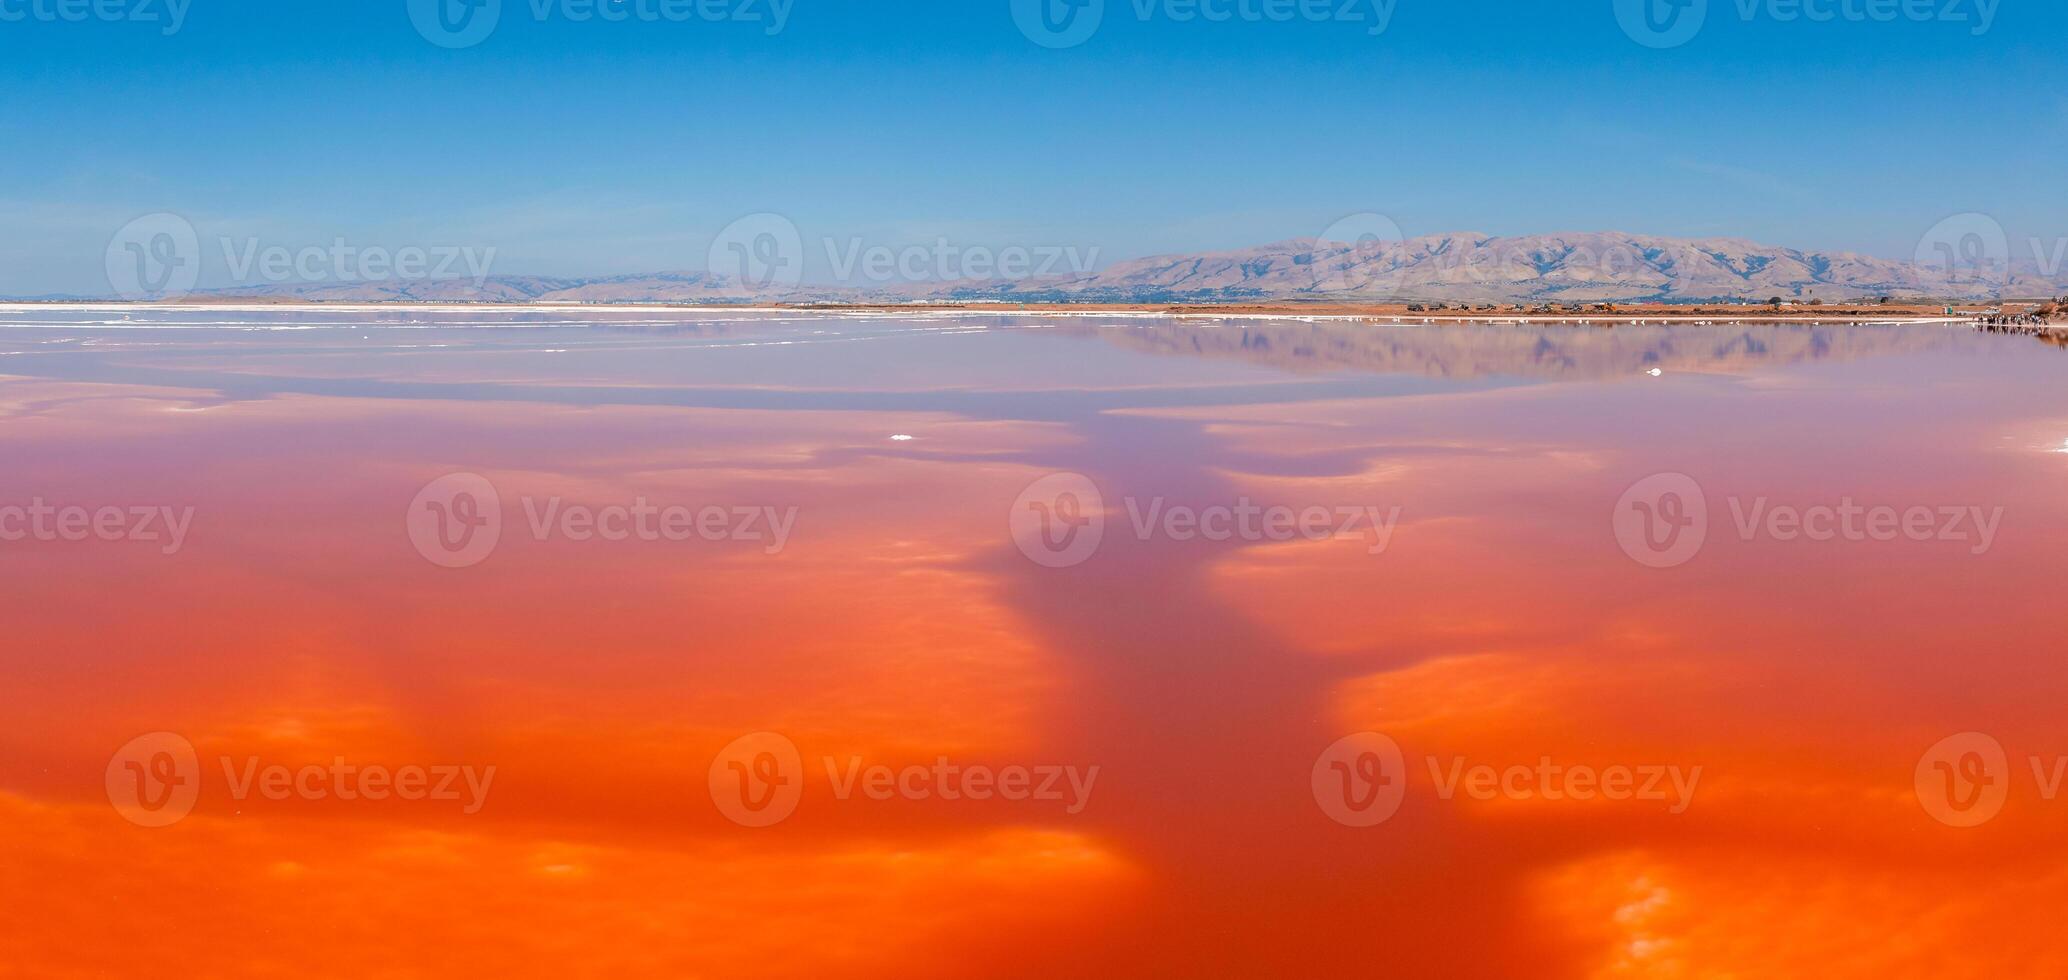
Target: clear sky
column 592, row 146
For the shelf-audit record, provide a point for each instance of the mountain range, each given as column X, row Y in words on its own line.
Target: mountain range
column 1457, row 267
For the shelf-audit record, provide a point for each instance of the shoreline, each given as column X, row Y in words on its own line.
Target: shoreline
column 1375, row 313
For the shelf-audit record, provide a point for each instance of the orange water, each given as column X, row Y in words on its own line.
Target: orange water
column 1502, row 625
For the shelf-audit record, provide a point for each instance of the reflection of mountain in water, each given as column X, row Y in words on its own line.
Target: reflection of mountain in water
column 1554, row 351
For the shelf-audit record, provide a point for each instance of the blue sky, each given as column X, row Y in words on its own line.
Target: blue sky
column 593, row 147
